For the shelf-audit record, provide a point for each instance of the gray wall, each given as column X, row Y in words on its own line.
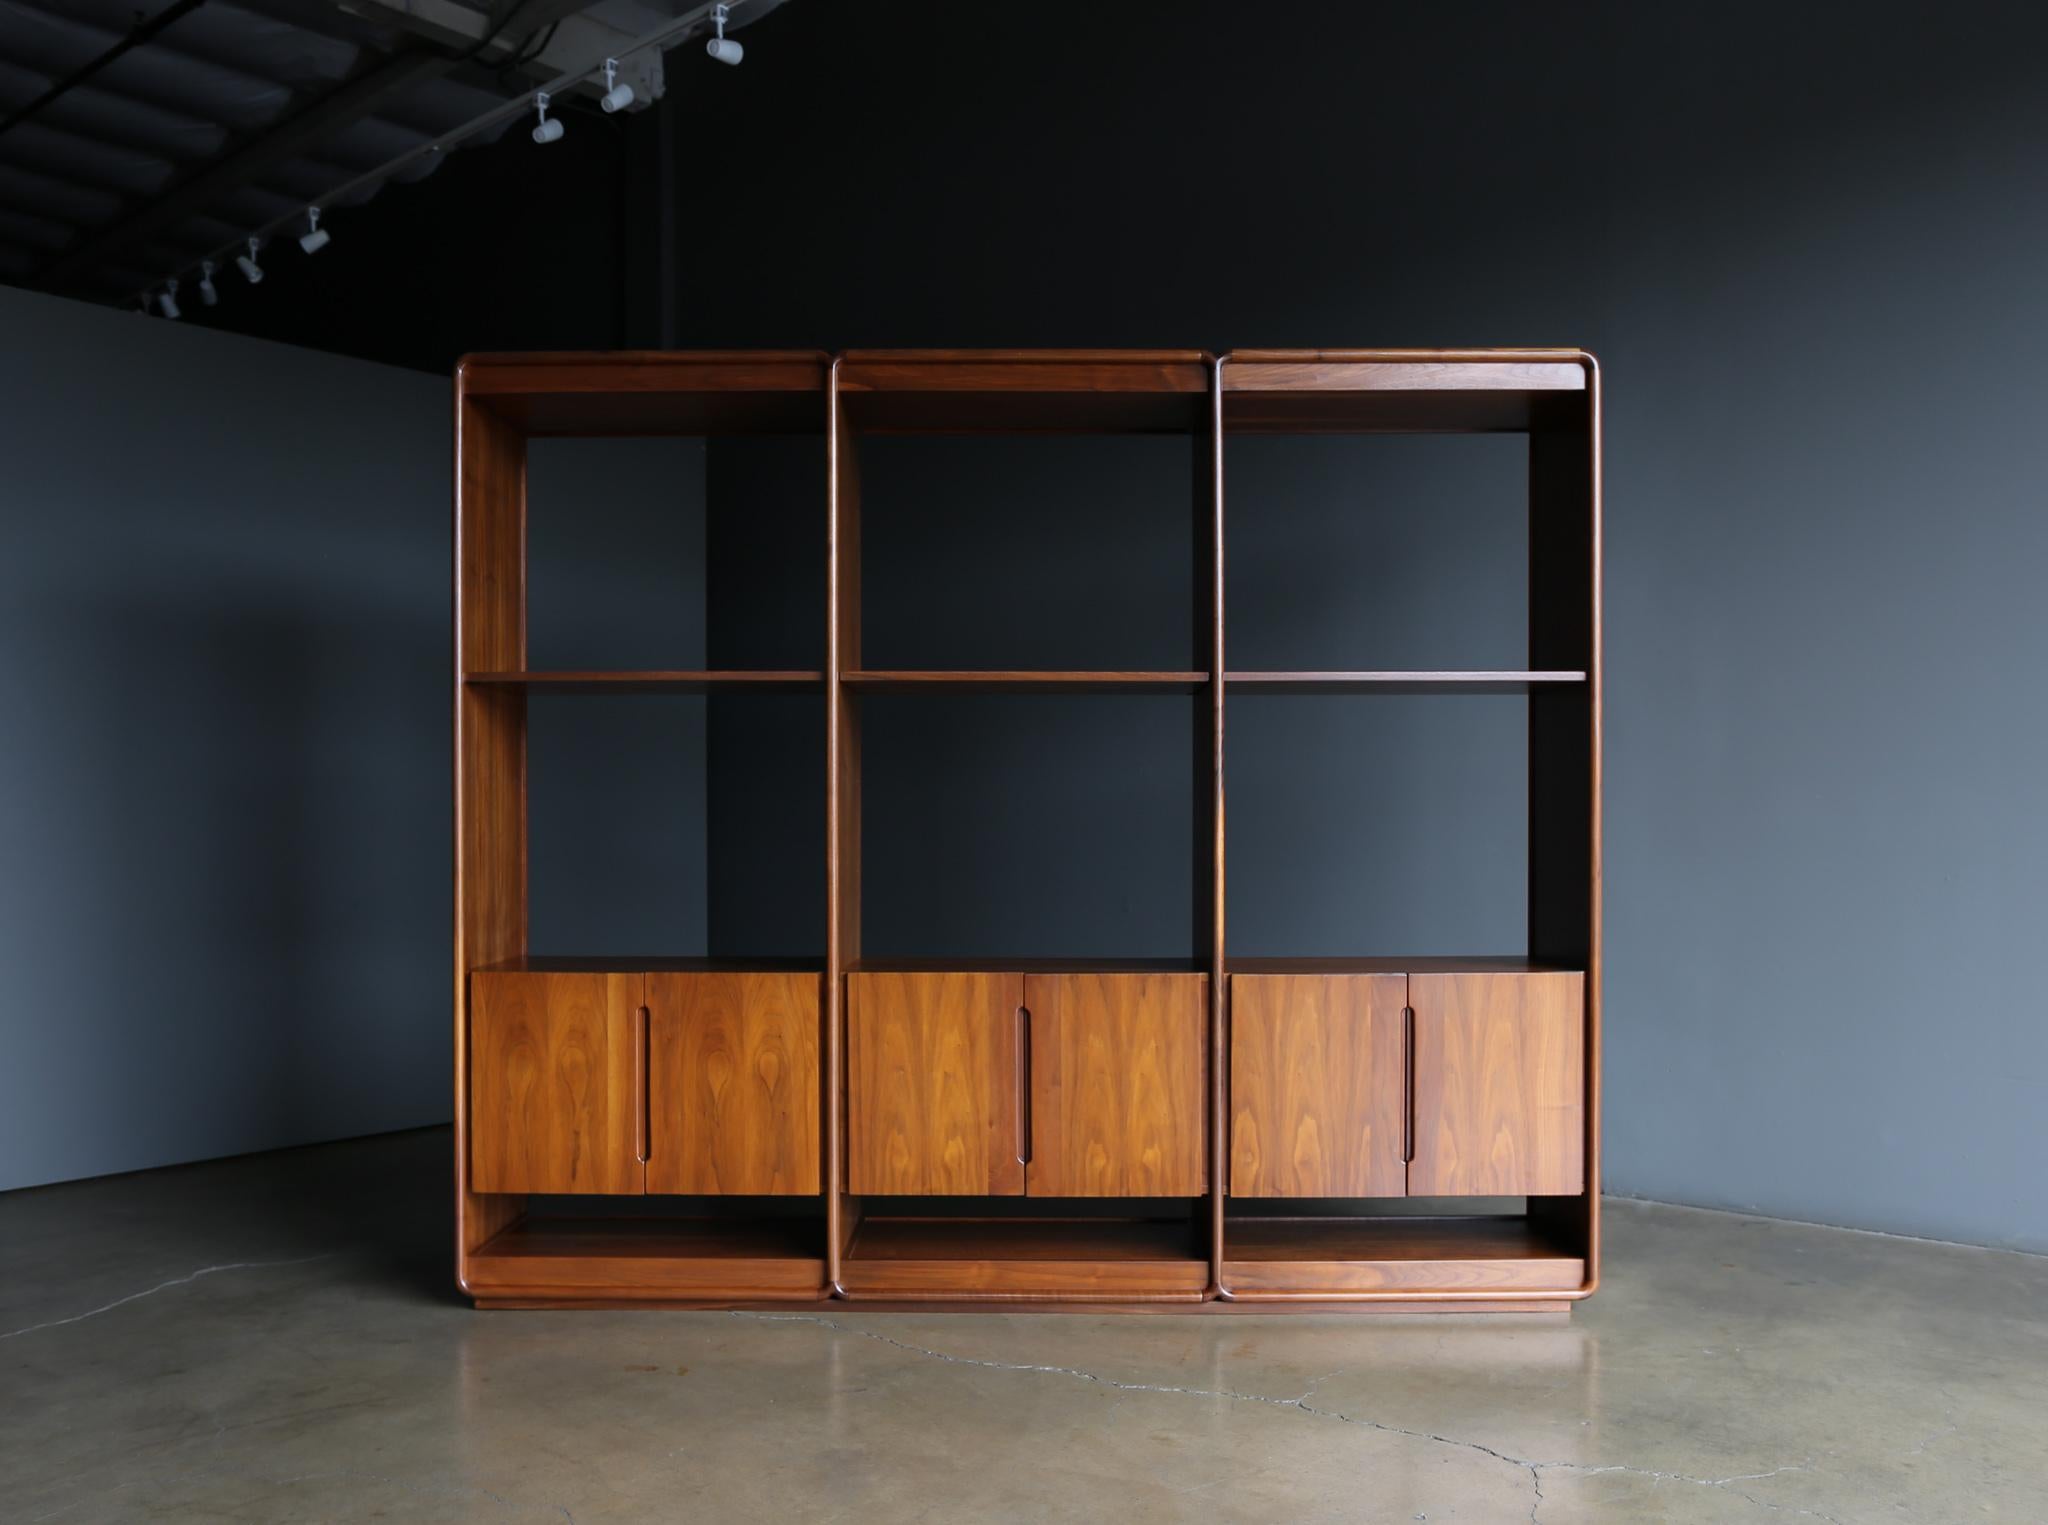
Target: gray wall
column 1806, row 242
column 616, row 783
column 224, row 793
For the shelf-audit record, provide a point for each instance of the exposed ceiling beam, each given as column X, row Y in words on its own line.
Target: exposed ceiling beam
column 573, row 40
column 143, row 30
column 347, row 103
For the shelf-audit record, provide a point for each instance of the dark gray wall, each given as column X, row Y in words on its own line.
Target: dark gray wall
column 224, row 794
column 223, row 797
column 615, row 783
column 1806, row 242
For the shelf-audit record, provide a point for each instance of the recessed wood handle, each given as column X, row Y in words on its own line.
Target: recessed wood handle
column 1408, row 1084
column 640, row 1091
column 1023, row 1085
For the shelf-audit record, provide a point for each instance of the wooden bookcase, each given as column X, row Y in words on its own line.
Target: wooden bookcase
column 1201, row 1135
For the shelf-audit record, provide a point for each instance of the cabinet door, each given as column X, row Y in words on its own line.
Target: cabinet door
column 932, row 1084
column 1499, row 1085
column 554, row 1093
column 1318, row 1083
column 1118, row 1084
column 732, row 1083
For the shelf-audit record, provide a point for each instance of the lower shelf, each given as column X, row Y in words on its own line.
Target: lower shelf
column 1042, row 1259
column 1296, row 1258
column 1390, row 1264
column 652, row 1258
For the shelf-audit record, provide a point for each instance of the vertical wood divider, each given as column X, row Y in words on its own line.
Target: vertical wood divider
column 1219, row 990
column 842, row 809
column 489, row 753
column 1564, row 755
column 1595, row 958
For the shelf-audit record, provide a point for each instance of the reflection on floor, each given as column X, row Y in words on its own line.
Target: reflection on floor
column 276, row 1338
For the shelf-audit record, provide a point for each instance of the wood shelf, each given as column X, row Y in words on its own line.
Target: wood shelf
column 973, row 681
column 1404, row 391
column 1338, row 1256
column 1100, row 1259
column 1025, row 391
column 621, row 393
column 1448, row 682
column 1513, row 963
column 652, row 1258
column 687, row 963
column 979, row 964
column 691, row 681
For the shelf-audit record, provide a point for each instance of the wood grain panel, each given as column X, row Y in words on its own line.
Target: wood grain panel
column 842, row 802
column 1564, row 752
column 1440, row 682
column 649, row 392
column 489, row 754
column 1318, row 1076
column 1023, row 1259
column 1250, row 1278
column 732, row 1083
column 969, row 681
column 932, row 1084
column 1563, row 373
column 1024, row 391
column 554, row 1071
column 1403, row 391
column 1499, row 1085
column 1306, row 1257
column 765, row 1258
column 1118, row 1084
column 694, row 682
column 1208, row 847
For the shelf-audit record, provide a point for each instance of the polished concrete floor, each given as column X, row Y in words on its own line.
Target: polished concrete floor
column 275, row 1338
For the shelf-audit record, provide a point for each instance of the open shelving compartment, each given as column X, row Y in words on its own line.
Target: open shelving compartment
column 1047, row 1176
column 597, row 1161
column 1466, row 1174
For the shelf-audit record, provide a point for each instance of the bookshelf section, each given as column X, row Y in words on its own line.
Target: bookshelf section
column 987, row 1007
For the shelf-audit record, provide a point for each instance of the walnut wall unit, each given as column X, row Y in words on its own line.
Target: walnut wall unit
column 1366, row 1130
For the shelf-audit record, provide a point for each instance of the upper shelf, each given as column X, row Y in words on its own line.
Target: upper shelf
column 702, row 392
column 680, row 682
column 1026, row 391
column 1307, row 391
column 652, row 392
column 1501, row 682
column 969, row 681
column 1455, row 963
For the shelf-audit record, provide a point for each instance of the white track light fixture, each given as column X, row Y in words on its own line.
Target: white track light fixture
column 617, row 97
column 208, row 292
column 246, row 263
column 315, row 238
column 721, row 47
column 167, row 300
column 549, row 129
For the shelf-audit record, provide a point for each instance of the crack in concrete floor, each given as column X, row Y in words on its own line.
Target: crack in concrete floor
column 163, row 1286
column 1535, row 1469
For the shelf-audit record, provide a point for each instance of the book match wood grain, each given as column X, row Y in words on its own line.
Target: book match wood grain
column 1118, row 1084
column 1318, row 1085
column 1499, row 1085
column 554, row 1102
column 732, row 1083
column 933, row 1077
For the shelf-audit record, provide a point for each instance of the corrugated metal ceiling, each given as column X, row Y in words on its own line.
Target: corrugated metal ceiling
column 137, row 172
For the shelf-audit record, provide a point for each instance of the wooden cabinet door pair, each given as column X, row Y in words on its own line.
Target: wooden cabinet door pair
column 1336, row 1090
column 698, row 1083
column 1055, row 1085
